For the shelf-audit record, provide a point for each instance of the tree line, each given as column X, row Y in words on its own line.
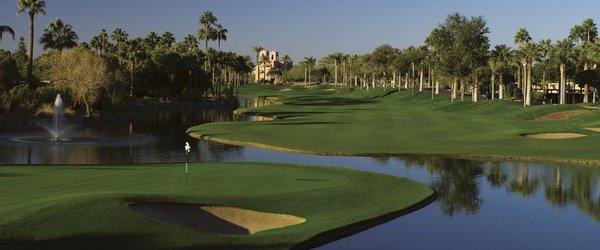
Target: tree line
column 155, row 66
column 457, row 57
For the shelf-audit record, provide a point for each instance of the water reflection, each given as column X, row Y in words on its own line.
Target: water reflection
column 458, row 183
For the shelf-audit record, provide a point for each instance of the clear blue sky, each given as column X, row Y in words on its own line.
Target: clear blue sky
column 307, row 27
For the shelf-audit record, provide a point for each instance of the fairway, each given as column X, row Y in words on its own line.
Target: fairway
column 358, row 122
column 88, row 207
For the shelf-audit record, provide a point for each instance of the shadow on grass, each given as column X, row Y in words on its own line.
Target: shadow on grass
column 305, row 179
column 326, row 101
column 11, row 175
column 117, row 241
column 300, row 123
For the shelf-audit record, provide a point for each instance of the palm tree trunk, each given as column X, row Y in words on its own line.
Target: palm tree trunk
column 475, row 91
column 563, row 83
column 501, row 87
column 529, row 85
column 462, row 90
column 336, row 73
column 421, row 76
column 493, row 83
column 305, row 75
column 31, row 37
column 454, row 87
column 586, row 87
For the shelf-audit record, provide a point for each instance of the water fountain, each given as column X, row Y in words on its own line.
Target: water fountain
column 56, row 129
column 57, row 115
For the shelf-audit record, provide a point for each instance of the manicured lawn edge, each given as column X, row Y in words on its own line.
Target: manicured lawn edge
column 457, row 156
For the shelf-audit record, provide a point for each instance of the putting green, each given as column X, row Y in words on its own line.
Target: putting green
column 359, row 122
column 89, row 207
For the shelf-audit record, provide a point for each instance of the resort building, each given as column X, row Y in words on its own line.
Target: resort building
column 261, row 71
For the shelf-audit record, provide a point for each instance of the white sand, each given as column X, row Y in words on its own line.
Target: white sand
column 555, row 136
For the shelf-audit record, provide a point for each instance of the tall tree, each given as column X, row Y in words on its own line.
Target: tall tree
column 310, row 63
column 562, row 52
column 32, row 7
column 220, row 35
column 120, row 38
column 523, row 40
column 59, row 36
column 501, row 56
column 101, row 42
column 207, row 32
column 287, row 61
column 585, row 35
column 463, row 45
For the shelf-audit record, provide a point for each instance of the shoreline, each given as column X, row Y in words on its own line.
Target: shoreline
column 531, row 159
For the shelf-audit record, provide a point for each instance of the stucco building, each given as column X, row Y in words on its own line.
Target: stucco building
column 261, row 71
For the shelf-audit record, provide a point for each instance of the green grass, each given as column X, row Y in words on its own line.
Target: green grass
column 86, row 207
column 343, row 121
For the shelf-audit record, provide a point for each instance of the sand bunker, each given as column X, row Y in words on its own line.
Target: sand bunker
column 593, row 129
column 216, row 219
column 554, row 136
column 285, row 89
column 330, row 90
column 562, row 115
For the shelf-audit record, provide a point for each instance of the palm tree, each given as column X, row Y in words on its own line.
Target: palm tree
column 101, row 42
column 336, row 58
column 286, row 60
column 257, row 49
column 32, row 7
column 191, row 42
column 544, row 60
column 220, row 35
column 502, row 54
column 562, row 52
column 530, row 52
column 310, row 63
column 207, row 20
column 59, row 36
column 6, row 29
column 585, row 34
column 523, row 39
column 120, row 37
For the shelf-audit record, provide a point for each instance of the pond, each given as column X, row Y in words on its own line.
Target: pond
column 480, row 204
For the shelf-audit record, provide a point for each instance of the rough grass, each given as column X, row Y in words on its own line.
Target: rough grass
column 87, row 207
column 348, row 121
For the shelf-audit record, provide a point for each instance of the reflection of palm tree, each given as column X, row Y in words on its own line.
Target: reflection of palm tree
column 522, row 184
column 495, row 175
column 555, row 194
column 456, row 185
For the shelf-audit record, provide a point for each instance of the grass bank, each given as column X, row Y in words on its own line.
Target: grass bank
column 331, row 120
column 87, row 207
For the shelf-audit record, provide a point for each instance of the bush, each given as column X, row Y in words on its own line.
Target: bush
column 18, row 98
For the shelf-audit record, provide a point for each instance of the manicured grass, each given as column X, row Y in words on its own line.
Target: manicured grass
column 343, row 121
column 86, row 207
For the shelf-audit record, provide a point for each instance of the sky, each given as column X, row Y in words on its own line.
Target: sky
column 302, row 28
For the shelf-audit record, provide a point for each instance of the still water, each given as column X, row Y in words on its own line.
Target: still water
column 480, row 204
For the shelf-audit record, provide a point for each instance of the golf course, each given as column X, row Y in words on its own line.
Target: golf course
column 225, row 205
column 332, row 120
